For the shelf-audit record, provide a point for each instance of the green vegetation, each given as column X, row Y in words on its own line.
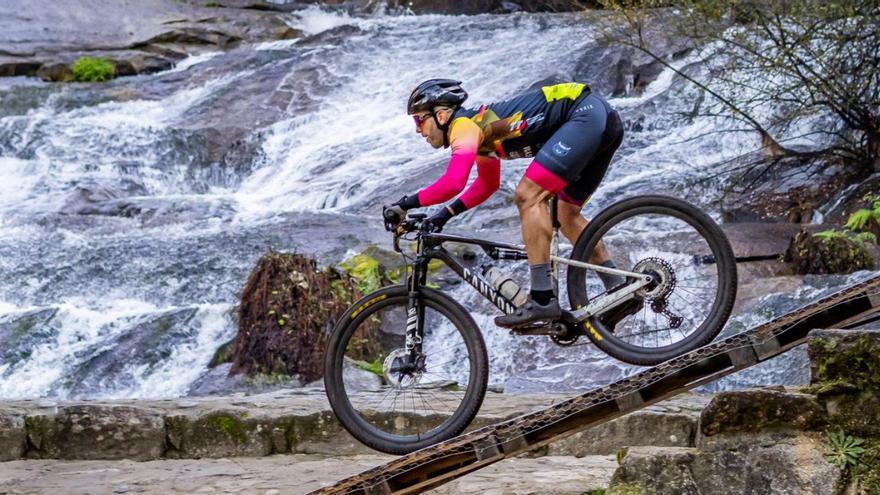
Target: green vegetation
column 859, row 225
column 365, row 270
column 265, row 379
column 626, row 489
column 91, row 69
column 844, row 450
column 374, row 366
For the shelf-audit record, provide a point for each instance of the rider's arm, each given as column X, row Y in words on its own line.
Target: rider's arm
column 487, row 182
column 464, row 139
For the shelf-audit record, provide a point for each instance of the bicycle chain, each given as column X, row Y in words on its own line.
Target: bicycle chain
column 511, row 432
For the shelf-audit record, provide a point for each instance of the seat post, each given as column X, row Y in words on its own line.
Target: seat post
column 554, row 205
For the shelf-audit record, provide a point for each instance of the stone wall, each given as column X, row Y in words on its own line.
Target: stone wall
column 776, row 441
column 297, row 421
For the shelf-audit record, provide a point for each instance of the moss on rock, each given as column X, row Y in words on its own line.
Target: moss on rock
column 223, row 354
column 229, row 425
column 842, row 360
column 831, row 254
column 869, row 468
column 366, row 270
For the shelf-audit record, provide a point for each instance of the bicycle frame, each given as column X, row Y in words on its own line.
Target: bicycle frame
column 430, row 246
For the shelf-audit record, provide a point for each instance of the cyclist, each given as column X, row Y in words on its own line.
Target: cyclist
column 571, row 135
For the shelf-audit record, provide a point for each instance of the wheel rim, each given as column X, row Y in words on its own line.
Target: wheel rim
column 670, row 245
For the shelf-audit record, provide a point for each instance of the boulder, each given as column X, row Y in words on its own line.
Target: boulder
column 107, row 366
column 43, row 38
column 96, row 432
column 655, row 470
column 833, row 252
column 671, row 424
column 796, row 465
column 22, row 332
column 288, row 307
column 217, row 381
column 13, row 436
column 845, row 373
column 732, row 414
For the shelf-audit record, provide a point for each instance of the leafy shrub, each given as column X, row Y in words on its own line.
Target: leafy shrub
column 864, row 219
column 91, row 69
column 845, row 450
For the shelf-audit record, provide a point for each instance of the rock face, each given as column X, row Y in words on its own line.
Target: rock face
column 668, row 424
column 752, row 442
column 845, row 372
column 297, row 421
column 772, row 441
column 21, row 333
column 219, row 434
column 13, row 435
column 44, row 38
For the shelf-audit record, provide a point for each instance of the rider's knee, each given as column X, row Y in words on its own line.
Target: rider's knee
column 525, row 196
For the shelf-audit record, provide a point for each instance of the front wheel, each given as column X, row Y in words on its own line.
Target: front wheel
column 690, row 261
column 381, row 397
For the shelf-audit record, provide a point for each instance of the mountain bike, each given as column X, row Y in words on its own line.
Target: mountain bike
column 406, row 366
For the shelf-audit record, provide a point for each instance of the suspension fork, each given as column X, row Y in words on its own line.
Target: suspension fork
column 415, row 310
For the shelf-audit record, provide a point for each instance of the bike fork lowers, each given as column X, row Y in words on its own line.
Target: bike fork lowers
column 415, row 314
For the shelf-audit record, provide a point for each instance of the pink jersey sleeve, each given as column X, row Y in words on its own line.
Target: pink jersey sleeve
column 487, row 182
column 464, row 139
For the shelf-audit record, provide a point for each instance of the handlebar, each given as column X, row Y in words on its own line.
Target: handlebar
column 414, row 222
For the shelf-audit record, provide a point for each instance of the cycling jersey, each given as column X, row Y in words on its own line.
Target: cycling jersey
column 566, row 117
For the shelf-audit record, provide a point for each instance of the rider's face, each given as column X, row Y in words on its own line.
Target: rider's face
column 427, row 127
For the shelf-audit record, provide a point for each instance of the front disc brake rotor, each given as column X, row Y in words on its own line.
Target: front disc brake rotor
column 395, row 372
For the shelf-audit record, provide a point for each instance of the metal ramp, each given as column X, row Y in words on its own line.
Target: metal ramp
column 438, row 464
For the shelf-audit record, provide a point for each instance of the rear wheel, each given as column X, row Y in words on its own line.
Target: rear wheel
column 694, row 273
column 392, row 406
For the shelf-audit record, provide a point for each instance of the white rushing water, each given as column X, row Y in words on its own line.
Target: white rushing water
column 182, row 245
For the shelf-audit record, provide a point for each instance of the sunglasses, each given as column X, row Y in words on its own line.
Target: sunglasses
column 420, row 120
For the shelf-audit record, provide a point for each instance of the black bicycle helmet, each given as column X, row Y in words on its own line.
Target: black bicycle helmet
column 436, row 92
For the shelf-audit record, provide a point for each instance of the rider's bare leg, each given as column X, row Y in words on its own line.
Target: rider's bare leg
column 537, row 230
column 572, row 223
column 536, row 227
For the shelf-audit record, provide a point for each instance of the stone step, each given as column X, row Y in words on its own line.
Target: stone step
column 290, row 474
column 297, row 421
